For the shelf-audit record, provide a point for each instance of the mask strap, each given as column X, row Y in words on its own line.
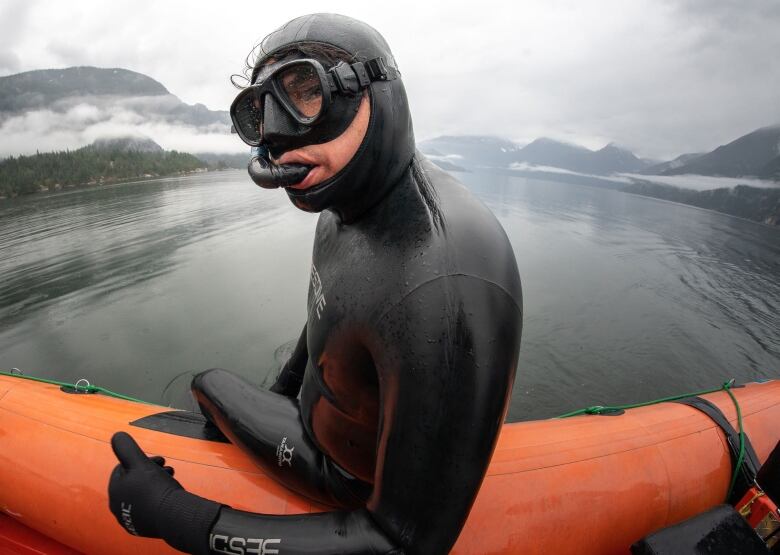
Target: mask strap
column 350, row 79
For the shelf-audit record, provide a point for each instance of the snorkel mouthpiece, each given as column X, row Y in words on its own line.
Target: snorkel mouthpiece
column 271, row 176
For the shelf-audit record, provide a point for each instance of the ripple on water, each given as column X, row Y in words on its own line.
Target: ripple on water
column 138, row 285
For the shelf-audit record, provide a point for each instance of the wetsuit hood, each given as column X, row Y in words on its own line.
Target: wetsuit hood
column 388, row 147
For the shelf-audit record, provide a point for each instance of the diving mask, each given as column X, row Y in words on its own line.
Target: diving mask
column 302, row 103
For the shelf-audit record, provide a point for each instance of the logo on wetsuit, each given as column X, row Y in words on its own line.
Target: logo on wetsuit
column 319, row 296
column 127, row 518
column 284, row 453
column 237, row 545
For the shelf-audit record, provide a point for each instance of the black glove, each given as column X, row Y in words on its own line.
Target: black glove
column 147, row 501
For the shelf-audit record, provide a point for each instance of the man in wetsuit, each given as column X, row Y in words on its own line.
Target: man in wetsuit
column 391, row 404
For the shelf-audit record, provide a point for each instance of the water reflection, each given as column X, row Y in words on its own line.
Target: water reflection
column 137, row 286
column 629, row 298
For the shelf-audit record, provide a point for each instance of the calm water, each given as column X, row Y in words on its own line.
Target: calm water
column 136, row 286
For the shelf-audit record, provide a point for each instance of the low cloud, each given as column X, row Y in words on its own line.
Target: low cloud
column 659, row 77
column 703, row 182
column 76, row 122
column 524, row 166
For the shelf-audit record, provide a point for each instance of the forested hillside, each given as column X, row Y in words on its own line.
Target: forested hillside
column 88, row 165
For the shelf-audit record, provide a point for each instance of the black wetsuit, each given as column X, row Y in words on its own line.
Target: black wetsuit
column 407, row 359
column 410, row 352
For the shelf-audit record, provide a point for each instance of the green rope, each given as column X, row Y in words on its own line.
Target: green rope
column 88, row 388
column 598, row 409
column 741, row 457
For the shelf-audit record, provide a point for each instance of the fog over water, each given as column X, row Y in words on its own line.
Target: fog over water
column 135, row 286
column 79, row 121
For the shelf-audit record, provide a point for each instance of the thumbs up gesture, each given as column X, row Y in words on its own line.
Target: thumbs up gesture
column 147, row 501
column 138, row 487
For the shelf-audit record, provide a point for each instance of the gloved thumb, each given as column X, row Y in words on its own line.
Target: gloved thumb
column 127, row 450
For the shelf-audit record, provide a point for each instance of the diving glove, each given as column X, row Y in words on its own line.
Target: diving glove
column 147, row 501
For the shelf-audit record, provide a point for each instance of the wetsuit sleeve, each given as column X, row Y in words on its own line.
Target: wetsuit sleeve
column 289, row 381
column 268, row 426
column 346, row 533
column 445, row 382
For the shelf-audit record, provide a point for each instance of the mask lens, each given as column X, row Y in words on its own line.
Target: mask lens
column 303, row 88
column 246, row 117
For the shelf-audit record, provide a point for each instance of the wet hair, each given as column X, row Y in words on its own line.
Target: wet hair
column 327, row 54
column 427, row 191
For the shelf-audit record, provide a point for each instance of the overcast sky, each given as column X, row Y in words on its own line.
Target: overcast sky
column 660, row 78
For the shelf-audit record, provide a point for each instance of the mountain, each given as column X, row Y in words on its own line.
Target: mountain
column 613, row 159
column 495, row 152
column 753, row 203
column 38, row 89
column 608, row 160
column 772, row 169
column 84, row 103
column 557, row 161
column 660, row 168
column 549, row 152
column 750, row 155
column 756, row 154
column 126, row 144
column 470, row 151
column 108, row 161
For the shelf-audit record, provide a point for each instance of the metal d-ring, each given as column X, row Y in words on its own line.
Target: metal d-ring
column 78, row 385
column 81, row 387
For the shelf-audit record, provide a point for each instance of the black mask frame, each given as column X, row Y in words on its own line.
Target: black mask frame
column 344, row 79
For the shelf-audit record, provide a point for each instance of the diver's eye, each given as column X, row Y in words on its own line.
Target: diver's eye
column 303, row 88
column 312, row 94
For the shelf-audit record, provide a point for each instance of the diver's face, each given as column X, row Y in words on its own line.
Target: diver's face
column 330, row 158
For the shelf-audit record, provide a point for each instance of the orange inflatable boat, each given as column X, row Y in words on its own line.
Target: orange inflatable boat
column 588, row 484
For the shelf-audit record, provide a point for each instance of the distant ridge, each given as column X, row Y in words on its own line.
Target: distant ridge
column 126, row 144
column 472, row 151
column 39, row 88
column 109, row 90
column 753, row 154
column 680, row 161
column 756, row 154
column 495, row 152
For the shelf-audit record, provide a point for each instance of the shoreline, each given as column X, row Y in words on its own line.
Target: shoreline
column 57, row 188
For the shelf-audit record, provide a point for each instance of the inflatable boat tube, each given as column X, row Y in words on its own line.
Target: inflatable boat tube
column 587, row 484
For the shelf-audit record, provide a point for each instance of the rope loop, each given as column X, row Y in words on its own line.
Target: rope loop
column 82, row 385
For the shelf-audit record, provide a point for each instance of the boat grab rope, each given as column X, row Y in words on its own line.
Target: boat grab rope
column 84, row 386
column 81, row 386
column 598, row 409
